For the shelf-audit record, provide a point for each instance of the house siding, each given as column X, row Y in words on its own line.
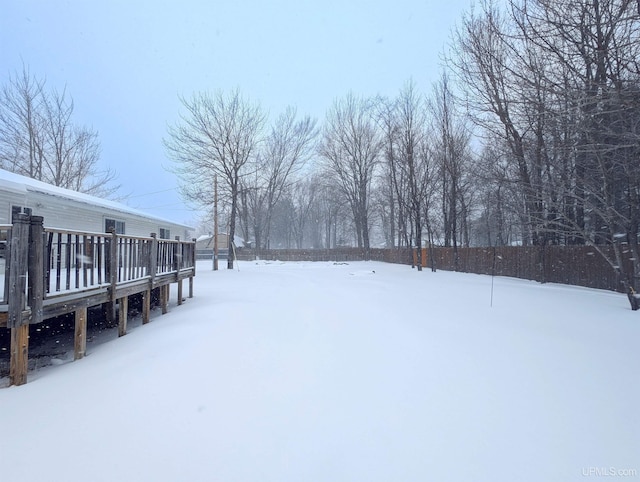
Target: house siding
column 78, row 215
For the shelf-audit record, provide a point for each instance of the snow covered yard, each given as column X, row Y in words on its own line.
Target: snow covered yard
column 343, row 372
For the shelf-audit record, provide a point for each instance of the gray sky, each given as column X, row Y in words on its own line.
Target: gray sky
column 125, row 62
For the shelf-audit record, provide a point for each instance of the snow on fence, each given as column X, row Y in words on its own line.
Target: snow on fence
column 49, row 272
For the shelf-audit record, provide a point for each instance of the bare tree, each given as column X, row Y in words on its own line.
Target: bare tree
column 392, row 186
column 450, row 140
column 504, row 78
column 351, row 147
column 21, row 125
column 557, row 83
column 285, row 151
column 499, row 198
column 218, row 134
column 39, row 139
column 409, row 169
column 413, row 158
column 593, row 47
column 73, row 152
column 333, row 211
column 303, row 197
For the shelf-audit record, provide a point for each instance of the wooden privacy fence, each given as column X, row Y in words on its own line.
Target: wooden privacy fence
column 50, row 272
column 573, row 265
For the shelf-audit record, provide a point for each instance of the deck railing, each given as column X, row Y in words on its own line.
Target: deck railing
column 5, row 235
column 46, row 272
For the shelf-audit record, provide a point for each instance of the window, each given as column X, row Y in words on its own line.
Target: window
column 19, row 210
column 165, row 233
column 113, row 225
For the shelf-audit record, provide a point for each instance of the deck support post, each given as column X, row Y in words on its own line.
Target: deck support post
column 164, row 298
column 80, row 337
column 19, row 355
column 146, row 306
column 179, row 292
column 17, row 319
column 123, row 305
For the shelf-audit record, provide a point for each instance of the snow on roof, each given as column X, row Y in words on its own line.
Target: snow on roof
column 15, row 182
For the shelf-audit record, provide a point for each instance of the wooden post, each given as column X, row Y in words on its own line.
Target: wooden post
column 164, row 298
column 80, row 337
column 123, row 304
column 179, row 292
column 193, row 254
column 16, row 321
column 146, row 306
column 153, row 259
column 35, row 294
column 113, row 277
column 19, row 355
column 193, row 265
column 7, row 264
column 177, row 256
column 18, row 270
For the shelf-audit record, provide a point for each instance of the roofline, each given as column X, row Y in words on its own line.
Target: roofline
column 34, row 185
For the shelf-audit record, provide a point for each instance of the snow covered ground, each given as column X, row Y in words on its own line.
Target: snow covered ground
column 343, row 372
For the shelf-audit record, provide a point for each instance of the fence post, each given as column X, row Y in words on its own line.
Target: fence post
column 16, row 321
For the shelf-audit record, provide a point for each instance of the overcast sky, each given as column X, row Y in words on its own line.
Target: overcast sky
column 125, row 62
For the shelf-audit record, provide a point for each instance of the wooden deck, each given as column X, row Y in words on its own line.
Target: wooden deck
column 51, row 272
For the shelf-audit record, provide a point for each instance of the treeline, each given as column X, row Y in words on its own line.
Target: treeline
column 531, row 136
column 554, row 88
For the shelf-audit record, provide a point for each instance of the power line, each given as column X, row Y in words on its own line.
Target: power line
column 167, row 205
column 151, row 193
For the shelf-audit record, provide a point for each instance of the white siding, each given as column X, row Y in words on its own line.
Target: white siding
column 78, row 214
column 9, row 196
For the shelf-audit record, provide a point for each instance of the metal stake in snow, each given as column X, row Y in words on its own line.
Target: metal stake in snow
column 215, row 223
column 493, row 273
column 233, row 246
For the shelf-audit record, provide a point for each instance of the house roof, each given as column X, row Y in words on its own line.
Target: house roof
column 237, row 240
column 11, row 181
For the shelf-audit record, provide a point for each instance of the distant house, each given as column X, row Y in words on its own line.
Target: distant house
column 204, row 245
column 71, row 210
